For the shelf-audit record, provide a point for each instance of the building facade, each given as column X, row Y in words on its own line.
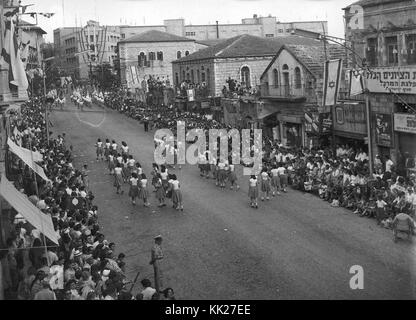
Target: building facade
column 292, row 92
column 151, row 54
column 386, row 38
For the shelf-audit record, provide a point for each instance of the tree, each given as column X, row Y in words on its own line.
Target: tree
column 104, row 76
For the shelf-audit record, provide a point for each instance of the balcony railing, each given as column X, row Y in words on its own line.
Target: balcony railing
column 289, row 92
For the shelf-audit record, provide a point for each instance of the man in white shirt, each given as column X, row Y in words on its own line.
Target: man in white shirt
column 148, row 291
column 389, row 164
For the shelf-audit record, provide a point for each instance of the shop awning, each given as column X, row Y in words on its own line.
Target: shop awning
column 28, row 157
column 21, row 203
column 265, row 111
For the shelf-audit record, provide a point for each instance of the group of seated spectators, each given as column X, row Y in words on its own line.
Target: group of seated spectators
column 343, row 179
column 85, row 265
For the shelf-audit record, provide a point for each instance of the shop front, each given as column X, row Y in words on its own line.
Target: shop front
column 349, row 125
column 292, row 131
column 405, row 129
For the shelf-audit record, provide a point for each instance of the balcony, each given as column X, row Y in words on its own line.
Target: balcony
column 287, row 92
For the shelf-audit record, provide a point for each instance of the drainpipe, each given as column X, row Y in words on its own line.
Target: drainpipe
column 218, row 30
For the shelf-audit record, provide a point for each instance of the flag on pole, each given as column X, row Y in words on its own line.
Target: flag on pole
column 332, row 78
column 356, row 83
column 11, row 55
column 17, row 136
column 25, row 54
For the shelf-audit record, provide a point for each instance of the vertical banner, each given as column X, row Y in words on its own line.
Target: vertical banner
column 134, row 76
column 332, row 78
column 384, row 130
column 356, row 83
column 191, row 95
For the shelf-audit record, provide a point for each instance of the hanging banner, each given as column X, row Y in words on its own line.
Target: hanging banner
column 404, row 122
column 384, row 130
column 356, row 83
column 332, row 79
column 191, row 95
column 397, row 79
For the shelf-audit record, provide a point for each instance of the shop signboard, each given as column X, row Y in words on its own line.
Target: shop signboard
column 396, row 79
column 405, row 122
column 350, row 117
column 384, row 130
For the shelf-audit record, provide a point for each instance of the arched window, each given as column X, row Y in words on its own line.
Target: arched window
column 198, row 76
column 183, row 75
column 160, row 56
column 245, row 77
column 176, row 79
column 286, row 80
column 275, row 78
column 298, row 79
column 186, row 53
column 152, row 56
column 192, row 76
column 178, row 54
column 142, row 59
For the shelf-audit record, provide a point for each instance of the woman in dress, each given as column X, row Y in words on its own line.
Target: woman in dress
column 134, row 188
column 114, row 147
column 107, row 149
column 155, row 174
column 124, row 149
column 221, row 175
column 283, row 176
column 275, row 180
column 100, row 152
column 118, row 178
column 232, row 177
column 164, row 176
column 130, row 165
column 111, row 164
column 265, row 185
column 160, row 191
column 125, row 164
column 253, row 191
column 176, row 194
column 143, row 192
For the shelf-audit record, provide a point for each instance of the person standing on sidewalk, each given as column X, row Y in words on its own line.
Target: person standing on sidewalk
column 156, row 261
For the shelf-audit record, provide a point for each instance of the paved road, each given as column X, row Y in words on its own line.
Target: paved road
column 294, row 247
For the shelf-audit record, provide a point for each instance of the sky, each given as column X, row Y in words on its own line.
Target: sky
column 68, row 13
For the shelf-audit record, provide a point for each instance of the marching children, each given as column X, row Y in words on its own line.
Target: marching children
column 265, row 184
column 232, row 177
column 134, row 188
column 160, row 191
column 176, row 194
column 111, row 163
column 143, row 192
column 107, row 149
column 99, row 152
column 118, row 178
column 253, row 191
column 275, row 180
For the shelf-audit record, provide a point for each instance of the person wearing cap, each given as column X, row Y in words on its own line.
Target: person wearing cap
column 156, row 260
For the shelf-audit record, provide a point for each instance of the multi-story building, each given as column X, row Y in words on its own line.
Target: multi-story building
column 256, row 26
column 102, row 40
column 152, row 53
column 79, row 50
column 384, row 33
column 292, row 92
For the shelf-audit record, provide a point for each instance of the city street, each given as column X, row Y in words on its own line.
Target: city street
column 294, row 247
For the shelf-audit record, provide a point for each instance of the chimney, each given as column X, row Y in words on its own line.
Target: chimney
column 254, row 16
column 218, row 30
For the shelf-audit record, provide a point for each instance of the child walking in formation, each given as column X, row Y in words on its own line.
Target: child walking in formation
column 100, row 152
column 275, row 181
column 143, row 192
column 134, row 188
column 233, row 178
column 118, row 178
column 265, row 185
column 107, row 149
column 160, row 191
column 176, row 193
column 253, row 191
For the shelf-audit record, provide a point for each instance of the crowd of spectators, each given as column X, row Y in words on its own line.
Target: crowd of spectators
column 85, row 265
column 235, row 89
column 342, row 178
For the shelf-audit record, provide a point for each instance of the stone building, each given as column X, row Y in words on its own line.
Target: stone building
column 384, row 33
column 292, row 91
column 152, row 52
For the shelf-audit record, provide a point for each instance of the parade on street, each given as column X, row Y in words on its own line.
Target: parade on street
column 265, row 160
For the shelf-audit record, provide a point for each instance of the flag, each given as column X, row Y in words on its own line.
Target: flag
column 25, row 54
column 356, row 83
column 11, row 55
column 17, row 136
column 332, row 78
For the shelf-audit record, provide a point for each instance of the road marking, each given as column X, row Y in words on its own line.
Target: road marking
column 91, row 124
